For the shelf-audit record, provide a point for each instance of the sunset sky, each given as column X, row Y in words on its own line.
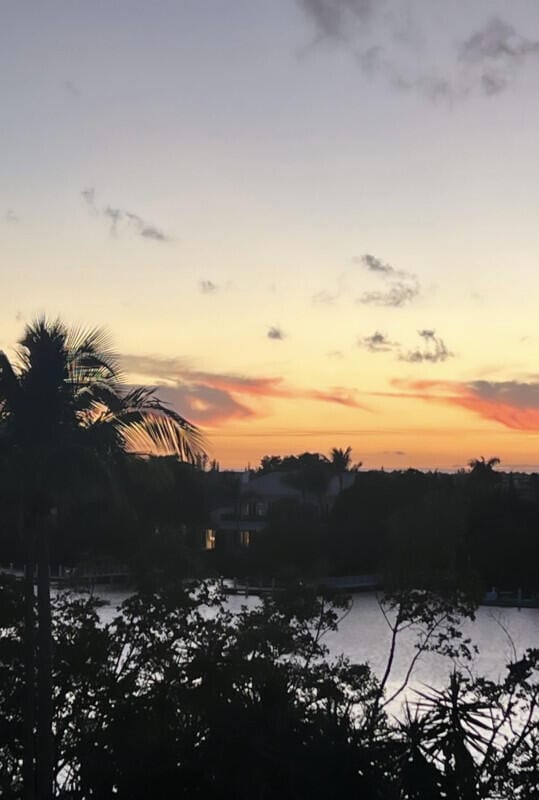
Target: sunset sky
column 312, row 223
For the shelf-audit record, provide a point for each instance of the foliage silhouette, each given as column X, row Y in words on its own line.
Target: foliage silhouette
column 65, row 421
column 177, row 696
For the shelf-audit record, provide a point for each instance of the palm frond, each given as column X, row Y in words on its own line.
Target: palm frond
column 95, row 340
column 146, row 432
column 142, row 397
column 95, row 399
column 90, row 356
column 70, row 379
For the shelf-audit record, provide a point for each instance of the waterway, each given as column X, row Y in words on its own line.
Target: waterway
column 363, row 636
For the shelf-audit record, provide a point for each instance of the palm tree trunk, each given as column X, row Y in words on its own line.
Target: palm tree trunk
column 45, row 744
column 28, row 765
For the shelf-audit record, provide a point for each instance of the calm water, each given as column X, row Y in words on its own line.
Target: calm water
column 364, row 636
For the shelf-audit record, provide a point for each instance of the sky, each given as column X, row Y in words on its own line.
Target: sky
column 309, row 223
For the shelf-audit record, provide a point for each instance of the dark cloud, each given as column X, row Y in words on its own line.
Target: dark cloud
column 398, row 295
column 151, row 232
column 275, row 333
column 374, row 264
column 381, row 41
column 495, row 52
column 497, row 41
column 404, row 286
column 115, row 216
column 332, row 18
column 377, row 343
column 394, row 453
column 433, row 350
column 119, row 218
column 144, row 229
column 88, row 195
column 514, row 393
column 207, row 287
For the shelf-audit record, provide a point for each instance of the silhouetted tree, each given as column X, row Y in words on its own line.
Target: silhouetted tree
column 340, row 462
column 270, row 464
column 64, row 417
column 311, row 475
column 249, row 706
column 482, row 468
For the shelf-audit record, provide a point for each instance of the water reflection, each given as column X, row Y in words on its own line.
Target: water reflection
column 364, row 636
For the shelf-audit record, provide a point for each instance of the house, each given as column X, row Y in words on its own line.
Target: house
column 235, row 526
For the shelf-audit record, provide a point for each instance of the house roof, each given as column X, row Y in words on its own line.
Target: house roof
column 272, row 485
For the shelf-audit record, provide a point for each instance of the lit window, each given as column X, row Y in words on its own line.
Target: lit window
column 245, row 538
column 209, row 539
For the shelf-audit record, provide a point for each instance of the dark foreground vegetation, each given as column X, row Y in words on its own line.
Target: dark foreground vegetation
column 178, row 697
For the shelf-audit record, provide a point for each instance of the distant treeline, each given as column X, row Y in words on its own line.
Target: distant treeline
column 413, row 528
column 478, row 527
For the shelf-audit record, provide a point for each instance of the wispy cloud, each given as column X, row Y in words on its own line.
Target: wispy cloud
column 276, row 333
column 377, row 342
column 496, row 51
column 514, row 404
column 433, row 350
column 88, row 195
column 211, row 398
column 382, row 38
column 324, row 298
column 402, row 287
column 121, row 219
column 70, row 88
column 373, row 264
column 333, row 18
column 337, row 394
column 207, row 287
column 144, row 229
column 396, row 296
column 11, row 217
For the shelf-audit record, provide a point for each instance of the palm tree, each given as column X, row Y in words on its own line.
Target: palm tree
column 65, row 418
column 309, row 474
column 340, row 461
column 482, row 471
column 480, row 466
